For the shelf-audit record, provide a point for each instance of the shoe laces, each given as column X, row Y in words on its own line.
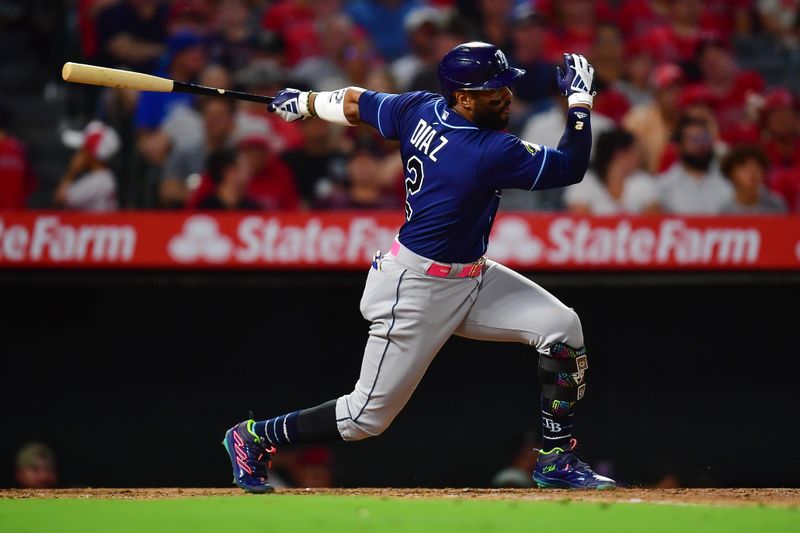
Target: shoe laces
column 262, row 463
column 571, row 459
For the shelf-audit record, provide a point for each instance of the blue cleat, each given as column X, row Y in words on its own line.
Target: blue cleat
column 561, row 469
column 250, row 459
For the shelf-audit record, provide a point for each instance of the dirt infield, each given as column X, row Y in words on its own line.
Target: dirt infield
column 768, row 497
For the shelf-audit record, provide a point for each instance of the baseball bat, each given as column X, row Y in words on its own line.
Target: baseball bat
column 123, row 79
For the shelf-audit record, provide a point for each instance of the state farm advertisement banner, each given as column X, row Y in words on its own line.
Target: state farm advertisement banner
column 347, row 240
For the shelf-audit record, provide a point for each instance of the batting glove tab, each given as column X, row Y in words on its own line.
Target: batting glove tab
column 291, row 104
column 576, row 81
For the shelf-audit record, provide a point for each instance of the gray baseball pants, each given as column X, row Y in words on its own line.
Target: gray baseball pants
column 413, row 314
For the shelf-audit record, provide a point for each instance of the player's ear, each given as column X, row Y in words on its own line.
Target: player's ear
column 464, row 99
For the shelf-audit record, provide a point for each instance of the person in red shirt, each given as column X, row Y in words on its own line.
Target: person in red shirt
column 727, row 86
column 271, row 184
column 16, row 176
column 576, row 22
column 637, row 17
column 781, row 142
column 294, row 21
column 676, row 41
column 781, row 129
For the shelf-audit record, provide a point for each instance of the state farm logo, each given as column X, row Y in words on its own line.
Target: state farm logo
column 201, row 240
column 512, row 240
column 579, row 241
column 271, row 240
column 51, row 239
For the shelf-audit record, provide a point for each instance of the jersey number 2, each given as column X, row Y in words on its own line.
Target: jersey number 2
column 414, row 177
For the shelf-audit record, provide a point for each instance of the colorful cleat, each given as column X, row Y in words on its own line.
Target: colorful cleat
column 250, row 459
column 561, row 469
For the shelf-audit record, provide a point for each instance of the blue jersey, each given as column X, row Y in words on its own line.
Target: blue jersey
column 455, row 172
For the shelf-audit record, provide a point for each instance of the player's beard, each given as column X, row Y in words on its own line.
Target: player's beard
column 490, row 119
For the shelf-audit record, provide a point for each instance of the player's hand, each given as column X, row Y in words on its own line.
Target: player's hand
column 290, row 104
column 576, row 81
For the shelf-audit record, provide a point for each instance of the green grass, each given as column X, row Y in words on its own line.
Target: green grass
column 293, row 513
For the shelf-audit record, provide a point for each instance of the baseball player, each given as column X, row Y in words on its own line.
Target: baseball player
column 435, row 281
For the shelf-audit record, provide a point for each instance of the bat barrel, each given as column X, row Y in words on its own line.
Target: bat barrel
column 111, row 77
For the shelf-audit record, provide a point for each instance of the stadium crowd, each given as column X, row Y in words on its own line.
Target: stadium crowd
column 696, row 113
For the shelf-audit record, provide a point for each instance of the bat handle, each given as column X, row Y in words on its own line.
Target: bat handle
column 181, row 87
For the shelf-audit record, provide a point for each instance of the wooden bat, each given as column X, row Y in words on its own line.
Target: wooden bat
column 123, row 79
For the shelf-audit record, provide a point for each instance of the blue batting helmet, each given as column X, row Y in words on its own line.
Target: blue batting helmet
column 475, row 66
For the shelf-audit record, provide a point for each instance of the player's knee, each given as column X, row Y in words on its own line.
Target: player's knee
column 568, row 329
column 370, row 423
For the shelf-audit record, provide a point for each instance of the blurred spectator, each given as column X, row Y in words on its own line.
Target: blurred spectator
column 677, row 39
column 271, row 184
column 529, row 29
column 368, row 184
column 616, row 184
column 89, row 183
column 358, row 61
column 185, row 60
column 132, row 33
column 16, row 175
column 608, row 59
column 88, row 11
column 747, row 167
column 493, row 19
column 293, row 21
column 727, row 86
column 186, row 163
column 234, row 42
column 453, row 32
column 35, row 467
column 193, row 16
column 694, row 185
column 781, row 129
column 781, row 142
column 574, row 32
column 230, row 183
column 780, row 18
column 383, row 22
column 266, row 77
column 421, row 26
column 607, row 56
column 183, row 126
column 347, row 57
column 219, row 128
column 697, row 103
column 637, row 17
column 653, row 124
column 320, row 165
column 637, row 70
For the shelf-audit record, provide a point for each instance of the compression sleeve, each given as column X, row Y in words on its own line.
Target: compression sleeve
column 511, row 163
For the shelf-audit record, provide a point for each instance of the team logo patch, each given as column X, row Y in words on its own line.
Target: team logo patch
column 532, row 148
column 581, row 115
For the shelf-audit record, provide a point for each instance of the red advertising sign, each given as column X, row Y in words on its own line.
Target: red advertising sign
column 347, row 240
